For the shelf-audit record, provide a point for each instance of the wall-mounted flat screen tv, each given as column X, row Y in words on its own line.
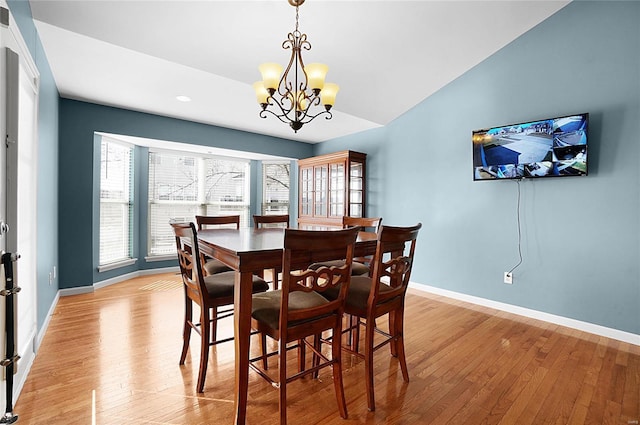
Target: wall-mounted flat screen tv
column 555, row 147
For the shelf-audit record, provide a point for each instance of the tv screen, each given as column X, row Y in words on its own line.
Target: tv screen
column 555, row 147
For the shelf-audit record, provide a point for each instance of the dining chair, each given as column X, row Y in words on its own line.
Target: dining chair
column 280, row 220
column 298, row 310
column 210, row 293
column 363, row 224
column 383, row 293
column 266, row 221
column 361, row 265
column 212, row 265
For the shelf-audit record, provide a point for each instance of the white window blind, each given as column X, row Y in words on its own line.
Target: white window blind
column 276, row 178
column 182, row 186
column 116, row 176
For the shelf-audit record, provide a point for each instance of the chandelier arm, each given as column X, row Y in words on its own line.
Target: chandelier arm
column 284, row 86
column 314, row 100
column 303, row 44
column 295, row 41
column 285, row 111
column 313, row 117
column 264, row 112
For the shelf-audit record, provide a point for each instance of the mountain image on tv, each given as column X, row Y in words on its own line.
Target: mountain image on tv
column 554, row 147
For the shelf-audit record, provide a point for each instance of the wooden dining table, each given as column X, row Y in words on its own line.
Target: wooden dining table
column 249, row 251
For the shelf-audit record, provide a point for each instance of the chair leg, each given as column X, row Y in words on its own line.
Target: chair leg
column 205, row 340
column 302, row 355
column 214, row 323
column 392, row 329
column 282, row 372
column 317, row 345
column 398, row 334
column 274, row 273
column 336, row 356
column 368, row 363
column 186, row 332
column 349, row 319
column 355, row 337
column 263, row 343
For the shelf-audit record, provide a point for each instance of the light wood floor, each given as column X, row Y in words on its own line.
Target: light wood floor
column 468, row 365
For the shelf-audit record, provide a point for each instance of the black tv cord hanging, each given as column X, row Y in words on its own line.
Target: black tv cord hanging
column 519, row 231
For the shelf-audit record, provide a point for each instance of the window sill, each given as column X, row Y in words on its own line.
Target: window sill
column 116, row 265
column 166, row 257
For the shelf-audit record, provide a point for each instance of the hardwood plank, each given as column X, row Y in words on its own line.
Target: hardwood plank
column 631, row 397
column 467, row 364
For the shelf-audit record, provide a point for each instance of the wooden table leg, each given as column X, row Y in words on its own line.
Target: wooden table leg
column 242, row 328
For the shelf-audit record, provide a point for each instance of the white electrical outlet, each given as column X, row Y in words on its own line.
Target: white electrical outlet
column 508, row 278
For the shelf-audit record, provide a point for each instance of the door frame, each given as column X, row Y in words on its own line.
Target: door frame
column 11, row 38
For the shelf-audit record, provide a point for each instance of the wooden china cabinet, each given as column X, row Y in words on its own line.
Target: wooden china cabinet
column 330, row 187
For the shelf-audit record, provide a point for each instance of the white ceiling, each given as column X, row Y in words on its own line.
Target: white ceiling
column 387, row 56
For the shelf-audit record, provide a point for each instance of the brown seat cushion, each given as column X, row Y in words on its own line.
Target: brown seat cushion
column 358, row 293
column 213, row 266
column 357, row 269
column 266, row 306
column 222, row 284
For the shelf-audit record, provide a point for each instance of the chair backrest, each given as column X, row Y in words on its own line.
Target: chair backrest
column 271, row 221
column 218, row 221
column 393, row 262
column 188, row 255
column 365, row 224
column 304, row 247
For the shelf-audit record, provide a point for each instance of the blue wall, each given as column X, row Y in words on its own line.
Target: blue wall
column 79, row 177
column 47, row 181
column 581, row 236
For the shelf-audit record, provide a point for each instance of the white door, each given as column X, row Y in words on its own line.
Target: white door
column 18, row 173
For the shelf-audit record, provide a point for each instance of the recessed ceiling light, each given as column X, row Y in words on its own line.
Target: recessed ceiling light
column 183, row 98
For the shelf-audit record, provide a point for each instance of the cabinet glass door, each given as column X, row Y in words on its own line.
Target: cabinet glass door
column 306, row 191
column 356, row 189
column 320, row 190
column 336, row 190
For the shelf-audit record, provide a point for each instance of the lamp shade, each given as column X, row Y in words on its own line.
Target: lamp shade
column 303, row 103
column 316, row 73
column 298, row 100
column 261, row 93
column 270, row 74
column 328, row 93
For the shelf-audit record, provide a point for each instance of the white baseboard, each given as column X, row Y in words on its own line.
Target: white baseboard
column 75, row 291
column 47, row 320
column 23, row 369
column 533, row 314
column 173, row 269
column 107, row 282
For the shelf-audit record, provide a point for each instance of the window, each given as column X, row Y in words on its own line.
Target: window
column 276, row 180
column 116, row 205
column 182, row 186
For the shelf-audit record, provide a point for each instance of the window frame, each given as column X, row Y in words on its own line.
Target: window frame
column 128, row 204
column 200, row 206
column 268, row 207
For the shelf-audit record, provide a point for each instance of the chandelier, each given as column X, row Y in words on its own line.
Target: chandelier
column 296, row 96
